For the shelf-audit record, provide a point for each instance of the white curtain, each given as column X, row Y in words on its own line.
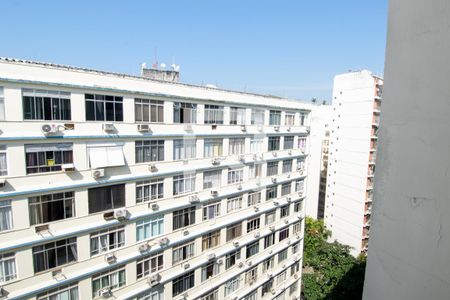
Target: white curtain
column 6, row 221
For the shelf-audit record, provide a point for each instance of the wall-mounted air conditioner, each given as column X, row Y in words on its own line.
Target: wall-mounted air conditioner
column 194, row 199
column 68, row 167
column 98, row 173
column 110, row 258
column 276, row 128
column 154, row 279
column 163, row 242
column 187, row 127
column 49, row 129
column 121, row 214
column 143, row 128
column 214, row 193
column 144, row 247
column 108, row 127
column 243, row 128
column 152, row 168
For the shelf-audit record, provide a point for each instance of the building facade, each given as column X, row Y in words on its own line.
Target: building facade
column 120, row 186
column 351, row 158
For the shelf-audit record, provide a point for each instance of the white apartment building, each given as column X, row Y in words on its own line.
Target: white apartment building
column 351, row 158
column 124, row 187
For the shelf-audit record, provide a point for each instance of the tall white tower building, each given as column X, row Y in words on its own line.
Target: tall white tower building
column 351, row 158
column 131, row 188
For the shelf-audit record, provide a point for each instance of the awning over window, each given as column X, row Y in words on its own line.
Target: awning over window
column 33, row 148
column 106, row 155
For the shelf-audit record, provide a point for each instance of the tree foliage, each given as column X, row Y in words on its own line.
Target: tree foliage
column 329, row 271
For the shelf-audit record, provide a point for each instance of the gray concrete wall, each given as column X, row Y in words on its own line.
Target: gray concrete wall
column 409, row 248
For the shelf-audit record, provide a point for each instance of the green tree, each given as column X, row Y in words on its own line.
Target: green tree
column 329, row 271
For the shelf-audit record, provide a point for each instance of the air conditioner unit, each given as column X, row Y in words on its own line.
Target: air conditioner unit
column 154, row 279
column 194, row 199
column 272, row 228
column 270, row 251
column 289, row 242
column 236, row 243
column 290, row 152
column 186, row 232
column 2, row 183
column 98, row 173
column 251, row 282
column 239, row 187
column 240, row 265
column 187, row 127
column 276, row 128
column 215, row 161
column 260, row 128
column 288, row 175
column 211, row 256
column 154, row 206
column 214, row 193
column 249, row 263
column 219, row 261
column 258, row 181
column 104, row 293
column 186, row 266
column 273, row 291
column 289, row 199
column 234, row 298
column 295, row 276
column 297, row 237
column 257, row 235
column 300, row 194
column 68, row 167
column 275, row 203
column 288, row 129
column 284, row 266
column 301, row 171
column 303, row 151
column 110, row 258
column 243, row 128
column 49, row 129
column 269, row 275
column 163, row 242
column 242, row 158
column 256, row 208
column 143, row 128
column 299, row 217
column 274, row 154
column 274, row 180
column 121, row 214
column 108, row 127
column 255, row 156
column 152, row 168
column 286, row 221
column 144, row 247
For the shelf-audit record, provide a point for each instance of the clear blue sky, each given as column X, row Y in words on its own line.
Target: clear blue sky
column 286, row 48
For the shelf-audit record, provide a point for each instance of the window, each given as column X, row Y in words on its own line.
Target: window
column 267, row 287
column 271, row 192
column 65, row 292
column 183, row 283
column 298, row 206
column 284, row 211
column 270, row 217
column 235, row 175
column 234, row 203
column 281, row 278
column 183, row 217
column 252, row 296
column 103, row 108
column 289, row 119
column 108, row 239
column 105, row 155
column 43, row 105
column 182, row 252
column 297, row 227
column 301, row 143
column 254, row 198
column 184, row 112
column 213, row 295
column 107, row 197
column 237, row 116
column 295, row 268
column 41, row 158
column 54, row 254
column 149, row 190
column 268, row 264
column 212, row 148
column 295, row 247
column 234, row 231
column 232, row 258
column 212, row 179
column 284, row 234
column 252, row 249
column 269, row 240
column 149, row 227
column 303, row 117
column 210, row 240
column 255, row 171
column 286, row 188
column 184, row 149
column 3, row 161
column 236, row 146
column 183, row 184
column 211, row 210
column 51, row 207
column 256, row 145
column 213, row 114
column 253, row 224
column 210, row 270
column 251, row 275
column 282, row 255
column 2, row 104
column 6, row 218
column 112, row 279
column 288, row 142
column 150, row 150
column 232, row 285
column 299, row 184
column 274, row 143
column 151, row 294
column 272, row 168
column 149, row 264
column 7, row 267
column 293, row 288
column 257, row 117
column 146, row 110
column 275, row 117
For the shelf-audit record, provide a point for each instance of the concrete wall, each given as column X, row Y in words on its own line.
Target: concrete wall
column 410, row 237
